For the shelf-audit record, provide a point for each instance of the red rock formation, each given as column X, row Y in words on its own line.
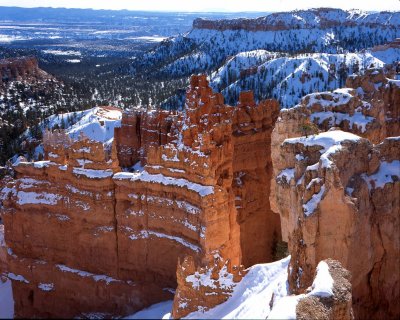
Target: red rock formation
column 338, row 194
column 21, row 68
column 196, row 197
column 139, row 130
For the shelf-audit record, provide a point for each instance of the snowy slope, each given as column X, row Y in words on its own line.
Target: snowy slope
column 6, row 297
column 206, row 48
column 97, row 124
column 6, row 300
column 304, row 19
column 250, row 299
column 289, row 78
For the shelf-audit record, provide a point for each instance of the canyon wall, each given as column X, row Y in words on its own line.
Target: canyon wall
column 338, row 193
column 86, row 238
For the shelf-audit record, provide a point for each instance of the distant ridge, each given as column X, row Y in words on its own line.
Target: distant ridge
column 321, row 18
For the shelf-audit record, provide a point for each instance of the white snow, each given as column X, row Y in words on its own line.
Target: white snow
column 144, row 176
column 322, row 286
column 6, row 300
column 95, row 277
column 93, row 174
column 225, row 279
column 63, row 53
column 160, row 310
column 285, row 308
column 2, row 241
column 46, row 286
column 251, row 296
column 323, row 282
column 37, row 198
column 385, row 174
column 330, row 143
column 97, row 123
column 313, row 203
column 335, row 118
column 145, row 234
column 17, row 277
column 325, row 139
column 287, row 174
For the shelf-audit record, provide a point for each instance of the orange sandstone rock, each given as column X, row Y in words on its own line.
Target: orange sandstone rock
column 203, row 191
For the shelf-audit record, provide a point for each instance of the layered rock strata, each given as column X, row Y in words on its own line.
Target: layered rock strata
column 79, row 230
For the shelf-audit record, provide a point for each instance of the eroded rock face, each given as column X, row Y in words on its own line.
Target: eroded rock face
column 338, row 194
column 199, row 195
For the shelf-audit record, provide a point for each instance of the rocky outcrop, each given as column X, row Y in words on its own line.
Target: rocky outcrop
column 321, row 18
column 338, row 194
column 201, row 194
column 320, row 304
column 328, row 296
column 23, row 68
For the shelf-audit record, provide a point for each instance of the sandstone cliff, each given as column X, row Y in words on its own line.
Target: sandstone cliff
column 338, row 194
column 85, row 236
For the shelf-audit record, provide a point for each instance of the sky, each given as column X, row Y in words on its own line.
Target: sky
column 210, row 5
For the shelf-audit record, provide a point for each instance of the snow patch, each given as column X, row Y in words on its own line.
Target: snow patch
column 323, row 282
column 388, row 172
column 313, row 203
column 46, row 286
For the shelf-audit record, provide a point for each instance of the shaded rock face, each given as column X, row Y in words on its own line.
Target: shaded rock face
column 252, row 170
column 338, row 194
column 21, row 68
column 85, row 237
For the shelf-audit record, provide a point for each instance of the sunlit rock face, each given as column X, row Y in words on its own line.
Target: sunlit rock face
column 85, row 237
column 338, row 193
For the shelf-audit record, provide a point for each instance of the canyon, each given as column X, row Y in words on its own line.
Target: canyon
column 180, row 205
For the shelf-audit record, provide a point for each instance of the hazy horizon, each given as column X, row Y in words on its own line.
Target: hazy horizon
column 206, row 5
